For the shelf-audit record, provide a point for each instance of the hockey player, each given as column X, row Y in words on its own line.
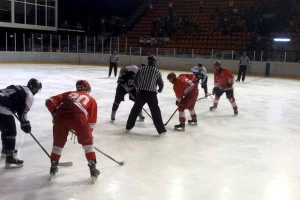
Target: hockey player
column 186, row 90
column 74, row 110
column 15, row 99
column 201, row 74
column 125, row 85
column 224, row 81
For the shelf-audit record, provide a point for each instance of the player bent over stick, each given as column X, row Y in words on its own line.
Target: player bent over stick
column 125, row 85
column 15, row 99
column 74, row 110
column 224, row 81
column 186, row 93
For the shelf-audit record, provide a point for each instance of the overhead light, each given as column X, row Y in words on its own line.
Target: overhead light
column 282, row 39
column 11, row 35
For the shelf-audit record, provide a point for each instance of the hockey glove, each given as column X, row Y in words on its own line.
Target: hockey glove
column 177, row 103
column 26, row 127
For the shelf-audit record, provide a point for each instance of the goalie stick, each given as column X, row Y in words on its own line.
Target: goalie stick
column 66, row 164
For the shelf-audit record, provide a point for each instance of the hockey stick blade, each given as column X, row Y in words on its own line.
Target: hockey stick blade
column 65, row 164
column 120, row 163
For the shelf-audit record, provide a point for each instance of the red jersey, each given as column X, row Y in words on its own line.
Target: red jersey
column 223, row 78
column 184, row 85
column 83, row 102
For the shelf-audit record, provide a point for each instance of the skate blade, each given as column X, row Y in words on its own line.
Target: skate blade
column 12, row 166
column 51, row 176
column 179, row 129
column 3, row 155
column 162, row 134
column 94, row 179
column 193, row 123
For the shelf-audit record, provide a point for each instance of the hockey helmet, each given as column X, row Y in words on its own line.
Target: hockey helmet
column 217, row 63
column 172, row 77
column 83, row 85
column 34, row 85
column 152, row 60
column 200, row 64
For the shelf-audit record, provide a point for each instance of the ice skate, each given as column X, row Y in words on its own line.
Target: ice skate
column 180, row 127
column 94, row 172
column 193, row 121
column 162, row 133
column 113, row 116
column 141, row 116
column 53, row 169
column 212, row 108
column 12, row 161
column 236, row 112
column 206, row 94
column 4, row 152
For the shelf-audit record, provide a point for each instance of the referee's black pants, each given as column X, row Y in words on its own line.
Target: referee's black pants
column 242, row 72
column 150, row 98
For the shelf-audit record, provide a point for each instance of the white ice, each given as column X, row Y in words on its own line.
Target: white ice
column 254, row 155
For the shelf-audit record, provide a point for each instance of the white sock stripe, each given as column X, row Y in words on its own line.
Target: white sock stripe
column 56, row 150
column 192, row 112
column 92, row 125
column 216, row 101
column 88, row 149
column 233, row 104
column 181, row 114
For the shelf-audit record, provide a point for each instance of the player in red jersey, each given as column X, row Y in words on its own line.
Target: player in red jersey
column 186, row 90
column 223, row 82
column 76, row 111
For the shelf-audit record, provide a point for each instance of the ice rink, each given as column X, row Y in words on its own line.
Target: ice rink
column 252, row 156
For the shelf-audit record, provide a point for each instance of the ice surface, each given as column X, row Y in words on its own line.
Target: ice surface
column 254, row 155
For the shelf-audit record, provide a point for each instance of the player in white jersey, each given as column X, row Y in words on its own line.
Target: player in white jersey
column 201, row 73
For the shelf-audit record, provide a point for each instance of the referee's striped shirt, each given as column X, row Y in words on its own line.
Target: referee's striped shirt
column 148, row 78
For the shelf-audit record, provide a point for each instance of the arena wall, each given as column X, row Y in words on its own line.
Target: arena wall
column 171, row 63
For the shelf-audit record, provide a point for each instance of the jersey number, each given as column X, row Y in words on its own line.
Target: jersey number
column 79, row 98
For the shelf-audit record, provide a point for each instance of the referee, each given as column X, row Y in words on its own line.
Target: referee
column 146, row 81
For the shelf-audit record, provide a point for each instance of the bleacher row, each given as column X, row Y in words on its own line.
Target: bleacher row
column 208, row 38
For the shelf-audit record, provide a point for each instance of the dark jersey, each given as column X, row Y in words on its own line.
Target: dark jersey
column 16, row 98
column 127, row 75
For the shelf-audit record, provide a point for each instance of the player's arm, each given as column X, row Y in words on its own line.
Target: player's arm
column 93, row 114
column 160, row 83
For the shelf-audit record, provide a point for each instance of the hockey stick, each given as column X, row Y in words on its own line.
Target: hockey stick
column 204, row 97
column 120, row 163
column 61, row 163
column 134, row 98
column 171, row 117
column 177, row 109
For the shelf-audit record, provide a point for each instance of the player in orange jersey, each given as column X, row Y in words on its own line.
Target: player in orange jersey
column 74, row 110
column 224, row 81
column 186, row 90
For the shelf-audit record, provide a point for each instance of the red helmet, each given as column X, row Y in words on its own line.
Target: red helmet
column 218, row 63
column 83, row 85
column 172, row 77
